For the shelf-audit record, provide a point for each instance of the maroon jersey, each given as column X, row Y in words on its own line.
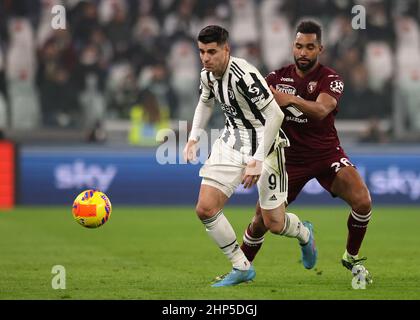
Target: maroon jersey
column 309, row 138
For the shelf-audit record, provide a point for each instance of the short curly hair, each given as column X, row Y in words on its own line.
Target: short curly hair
column 309, row 26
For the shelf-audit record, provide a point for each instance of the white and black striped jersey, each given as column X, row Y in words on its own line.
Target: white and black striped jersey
column 243, row 94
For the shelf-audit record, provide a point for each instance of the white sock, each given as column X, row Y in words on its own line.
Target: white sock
column 351, row 256
column 294, row 228
column 221, row 231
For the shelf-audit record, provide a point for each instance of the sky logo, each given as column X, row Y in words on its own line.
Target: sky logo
column 79, row 175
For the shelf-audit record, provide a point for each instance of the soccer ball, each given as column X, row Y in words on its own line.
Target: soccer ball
column 91, row 208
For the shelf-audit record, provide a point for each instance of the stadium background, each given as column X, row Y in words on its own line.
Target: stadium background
column 80, row 107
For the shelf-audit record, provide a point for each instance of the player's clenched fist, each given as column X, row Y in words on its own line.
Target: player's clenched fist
column 190, row 151
column 252, row 173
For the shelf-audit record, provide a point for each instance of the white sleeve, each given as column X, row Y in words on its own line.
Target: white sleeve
column 202, row 115
column 273, row 120
column 255, row 89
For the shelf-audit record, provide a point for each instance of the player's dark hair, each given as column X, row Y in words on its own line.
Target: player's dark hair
column 308, row 26
column 213, row 34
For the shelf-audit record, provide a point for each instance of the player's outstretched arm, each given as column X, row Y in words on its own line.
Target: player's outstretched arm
column 318, row 109
column 202, row 115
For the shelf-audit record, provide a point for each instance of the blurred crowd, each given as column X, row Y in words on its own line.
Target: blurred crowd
column 137, row 59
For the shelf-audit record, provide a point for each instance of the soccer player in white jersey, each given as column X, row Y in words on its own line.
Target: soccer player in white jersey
column 249, row 151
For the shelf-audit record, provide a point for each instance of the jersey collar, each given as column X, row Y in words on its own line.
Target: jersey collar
column 307, row 75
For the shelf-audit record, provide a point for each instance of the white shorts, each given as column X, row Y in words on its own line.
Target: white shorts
column 225, row 167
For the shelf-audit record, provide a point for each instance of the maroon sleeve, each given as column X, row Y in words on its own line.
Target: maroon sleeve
column 333, row 85
column 271, row 79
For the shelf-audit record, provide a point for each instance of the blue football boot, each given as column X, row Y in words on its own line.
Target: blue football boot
column 235, row 277
column 309, row 252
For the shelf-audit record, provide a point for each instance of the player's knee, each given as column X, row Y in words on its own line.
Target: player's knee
column 274, row 219
column 205, row 211
column 275, row 227
column 362, row 203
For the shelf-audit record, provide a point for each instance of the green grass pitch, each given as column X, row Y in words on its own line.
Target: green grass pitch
column 164, row 253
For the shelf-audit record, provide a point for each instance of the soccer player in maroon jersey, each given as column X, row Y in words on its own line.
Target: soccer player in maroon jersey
column 308, row 94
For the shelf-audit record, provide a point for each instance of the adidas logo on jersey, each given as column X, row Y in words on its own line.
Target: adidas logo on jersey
column 273, row 197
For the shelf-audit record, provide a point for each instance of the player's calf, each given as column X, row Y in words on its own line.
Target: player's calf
column 252, row 242
column 357, row 226
column 280, row 223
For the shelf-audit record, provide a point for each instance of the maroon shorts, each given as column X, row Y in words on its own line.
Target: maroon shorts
column 322, row 169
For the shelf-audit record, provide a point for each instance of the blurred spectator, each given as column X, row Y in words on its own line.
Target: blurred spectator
column 3, row 113
column 379, row 25
column 44, row 26
column 406, row 8
column 20, row 72
column 92, row 102
column 252, row 53
column 183, row 64
column 217, row 14
column 342, row 38
column 84, row 20
column 156, row 80
column 406, row 105
column 407, row 45
column 112, row 50
column 28, row 9
column 276, row 35
column 411, row 92
column 20, row 59
column 147, row 44
column 118, row 31
column 344, row 64
column 104, row 47
column 146, row 30
column 182, row 22
column 379, row 62
column 121, row 90
column 147, row 118
column 107, row 9
column 90, row 77
column 4, row 118
column 359, row 101
column 243, row 29
column 58, row 94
